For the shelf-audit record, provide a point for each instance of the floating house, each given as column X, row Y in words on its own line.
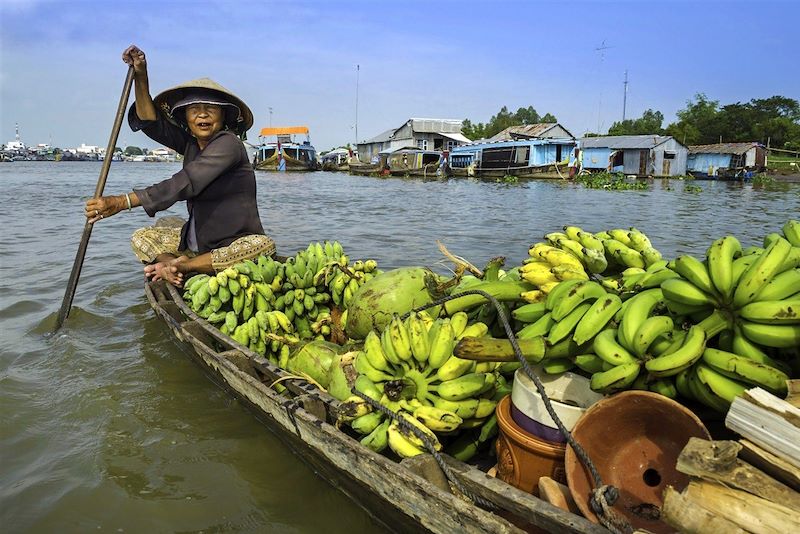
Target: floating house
column 726, row 160
column 336, row 160
column 527, row 150
column 637, row 155
column 424, row 134
column 285, row 153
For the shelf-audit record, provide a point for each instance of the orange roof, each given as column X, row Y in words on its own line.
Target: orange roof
column 283, row 130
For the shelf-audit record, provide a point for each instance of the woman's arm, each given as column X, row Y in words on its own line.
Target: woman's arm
column 104, row 207
column 145, row 108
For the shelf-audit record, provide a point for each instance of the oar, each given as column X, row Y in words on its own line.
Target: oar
column 66, row 304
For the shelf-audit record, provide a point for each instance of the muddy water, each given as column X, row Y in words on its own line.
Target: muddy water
column 108, row 425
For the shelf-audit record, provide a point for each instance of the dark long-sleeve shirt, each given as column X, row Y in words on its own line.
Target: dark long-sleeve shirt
column 217, row 183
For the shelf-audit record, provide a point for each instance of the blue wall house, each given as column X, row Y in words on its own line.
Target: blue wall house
column 518, row 150
column 726, row 160
column 638, row 155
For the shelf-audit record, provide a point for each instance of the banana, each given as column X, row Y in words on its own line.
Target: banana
column 596, row 317
column 616, row 378
column 400, row 444
column 639, row 241
column 539, row 328
column 538, row 273
column 690, row 351
column 741, row 346
column 441, row 347
column 453, row 368
column 772, row 335
column 576, row 295
column 437, row 419
column 367, row 423
column 573, row 232
column 589, row 241
column 637, row 311
column 364, row 367
column 365, row 386
column 609, row 350
column 554, row 296
column 536, row 295
column 462, row 387
column 623, row 254
column 557, row 366
column 553, row 237
column 746, row 370
column 474, row 330
column 352, row 408
column 791, row 231
column 722, row 386
column 590, row 363
column 574, row 247
column 651, row 256
column 374, row 352
column 665, row 387
column 682, row 383
column 685, row 292
column 564, row 328
column 740, row 265
column 703, row 393
column 378, row 439
column 401, row 341
column 458, row 322
column 418, row 335
column 654, row 278
column 595, row 260
column 772, row 311
column 465, row 409
column 620, row 235
column 694, row 271
column 413, row 438
column 761, row 272
column 529, row 313
column 566, row 272
column 485, row 408
column 284, row 322
column 720, row 258
column 555, row 256
column 388, row 347
column 648, row 331
column 781, row 286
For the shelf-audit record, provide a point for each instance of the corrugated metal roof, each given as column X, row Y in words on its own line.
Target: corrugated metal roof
column 436, row 125
column 624, row 141
column 526, row 130
column 456, row 137
column 722, row 148
column 381, row 137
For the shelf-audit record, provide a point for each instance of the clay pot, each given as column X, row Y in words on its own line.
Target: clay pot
column 523, row 458
column 634, row 439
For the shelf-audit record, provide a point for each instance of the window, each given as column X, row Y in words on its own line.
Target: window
column 422, row 143
column 669, row 155
column 451, row 144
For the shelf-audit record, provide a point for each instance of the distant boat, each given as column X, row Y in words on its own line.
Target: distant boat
column 284, row 153
column 403, row 161
column 336, row 160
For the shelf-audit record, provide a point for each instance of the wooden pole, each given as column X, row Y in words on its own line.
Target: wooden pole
column 69, row 294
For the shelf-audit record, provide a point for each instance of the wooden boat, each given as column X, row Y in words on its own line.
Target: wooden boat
column 336, row 160
column 406, row 496
column 284, row 153
column 522, row 158
column 412, row 161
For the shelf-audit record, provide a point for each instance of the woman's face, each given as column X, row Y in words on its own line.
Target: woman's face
column 204, row 120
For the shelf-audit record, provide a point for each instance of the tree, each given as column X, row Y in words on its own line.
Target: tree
column 696, row 122
column 548, row 117
column 649, row 123
column 502, row 120
column 133, row 151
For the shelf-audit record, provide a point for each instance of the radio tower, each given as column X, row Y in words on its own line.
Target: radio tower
column 625, row 95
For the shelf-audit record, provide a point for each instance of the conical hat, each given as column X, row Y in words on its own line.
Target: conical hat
column 166, row 99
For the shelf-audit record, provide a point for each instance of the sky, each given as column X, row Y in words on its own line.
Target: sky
column 61, row 72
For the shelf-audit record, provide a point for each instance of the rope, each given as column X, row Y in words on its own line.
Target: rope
column 602, row 497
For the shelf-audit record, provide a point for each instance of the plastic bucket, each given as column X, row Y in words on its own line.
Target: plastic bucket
column 523, row 458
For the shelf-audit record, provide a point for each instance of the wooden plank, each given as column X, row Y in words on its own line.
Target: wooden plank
column 718, row 461
column 691, row 518
column 751, row 513
column 557, row 494
column 769, row 422
column 793, row 397
column 777, row 468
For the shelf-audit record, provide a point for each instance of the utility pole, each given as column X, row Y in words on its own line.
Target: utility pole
column 358, row 73
column 602, row 49
column 625, row 96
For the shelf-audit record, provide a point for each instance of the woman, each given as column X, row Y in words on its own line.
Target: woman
column 201, row 120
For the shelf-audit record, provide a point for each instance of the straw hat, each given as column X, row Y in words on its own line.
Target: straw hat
column 170, row 100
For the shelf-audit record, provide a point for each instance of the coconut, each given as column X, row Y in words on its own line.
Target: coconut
column 393, row 292
column 314, row 359
column 342, row 376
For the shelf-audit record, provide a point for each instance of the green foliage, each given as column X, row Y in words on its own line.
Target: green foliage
column 133, row 151
column 691, row 188
column 703, row 121
column 509, row 179
column 763, row 179
column 611, row 181
column 649, row 123
column 502, row 120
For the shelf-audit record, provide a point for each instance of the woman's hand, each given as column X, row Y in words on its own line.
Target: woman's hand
column 103, row 207
column 134, row 56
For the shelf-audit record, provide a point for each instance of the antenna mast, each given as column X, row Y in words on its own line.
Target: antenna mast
column 625, row 95
column 358, row 72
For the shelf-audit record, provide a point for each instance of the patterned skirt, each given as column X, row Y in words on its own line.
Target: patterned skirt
column 165, row 237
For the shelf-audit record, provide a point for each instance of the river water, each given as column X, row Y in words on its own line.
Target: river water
column 109, row 426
